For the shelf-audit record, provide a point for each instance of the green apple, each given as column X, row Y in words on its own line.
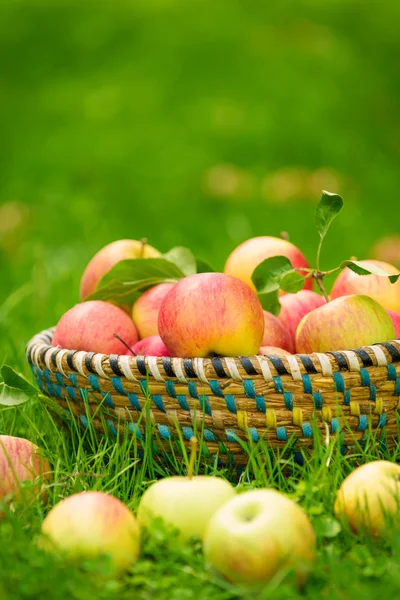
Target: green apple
column 186, row 503
column 369, row 499
column 258, row 534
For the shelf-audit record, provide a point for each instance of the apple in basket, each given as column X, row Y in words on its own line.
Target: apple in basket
column 185, row 503
column 368, row 500
column 379, row 288
column 91, row 524
column 295, row 306
column 146, row 308
column 21, row 462
column 395, row 316
column 345, row 323
column 107, row 257
column 91, row 325
column 150, row 346
column 244, row 259
column 276, row 333
column 258, row 534
column 265, row 350
column 211, row 313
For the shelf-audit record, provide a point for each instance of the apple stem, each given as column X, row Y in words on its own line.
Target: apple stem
column 284, row 235
column 193, row 451
column 143, row 241
column 319, row 276
column 125, row 344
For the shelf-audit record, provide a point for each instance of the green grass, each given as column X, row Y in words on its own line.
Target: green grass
column 200, row 124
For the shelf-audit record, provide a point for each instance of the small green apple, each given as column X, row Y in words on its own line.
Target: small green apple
column 257, row 534
column 186, row 503
column 369, row 498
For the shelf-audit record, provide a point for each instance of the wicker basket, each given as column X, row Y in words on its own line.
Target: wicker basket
column 235, row 401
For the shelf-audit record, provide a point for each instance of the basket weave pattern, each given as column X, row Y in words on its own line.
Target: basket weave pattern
column 233, row 399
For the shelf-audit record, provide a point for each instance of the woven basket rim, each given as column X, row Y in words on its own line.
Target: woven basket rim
column 376, row 355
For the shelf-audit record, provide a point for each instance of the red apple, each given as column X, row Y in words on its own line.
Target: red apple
column 146, row 308
column 211, row 313
column 395, row 316
column 90, row 524
column 276, row 333
column 150, row 346
column 295, row 306
column 377, row 287
column 244, row 259
column 91, row 325
column 20, row 461
column 107, row 257
column 273, row 350
column 344, row 324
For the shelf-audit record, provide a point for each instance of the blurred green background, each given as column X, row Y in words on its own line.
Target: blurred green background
column 189, row 122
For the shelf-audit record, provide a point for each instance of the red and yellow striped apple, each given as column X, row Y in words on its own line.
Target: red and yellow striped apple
column 258, row 534
column 211, row 313
column 91, row 524
column 295, row 306
column 344, row 324
column 369, row 498
column 91, row 325
column 376, row 286
column 21, row 461
column 244, row 259
column 395, row 316
column 146, row 308
column 276, row 333
column 107, row 257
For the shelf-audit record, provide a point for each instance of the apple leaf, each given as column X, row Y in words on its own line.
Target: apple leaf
column 370, row 269
column 182, row 258
column 126, row 293
column 267, row 278
column 327, row 210
column 202, row 266
column 292, row 282
column 15, row 389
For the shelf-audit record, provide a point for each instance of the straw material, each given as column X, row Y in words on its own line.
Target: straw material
column 232, row 400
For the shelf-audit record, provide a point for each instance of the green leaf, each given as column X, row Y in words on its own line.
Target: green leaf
column 15, row 389
column 202, row 266
column 362, row 269
column 267, row 278
column 183, row 258
column 14, row 380
column 292, row 282
column 327, row 210
column 137, row 269
column 126, row 293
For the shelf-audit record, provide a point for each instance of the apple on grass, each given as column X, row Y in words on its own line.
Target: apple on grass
column 91, row 325
column 89, row 525
column 211, row 313
column 295, row 306
column 245, row 258
column 21, row 461
column 110, row 255
column 368, row 500
column 258, row 534
column 346, row 323
column 276, row 333
column 377, row 287
column 185, row 503
column 146, row 308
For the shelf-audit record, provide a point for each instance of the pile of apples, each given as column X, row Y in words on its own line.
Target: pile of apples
column 247, row 537
column 208, row 314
